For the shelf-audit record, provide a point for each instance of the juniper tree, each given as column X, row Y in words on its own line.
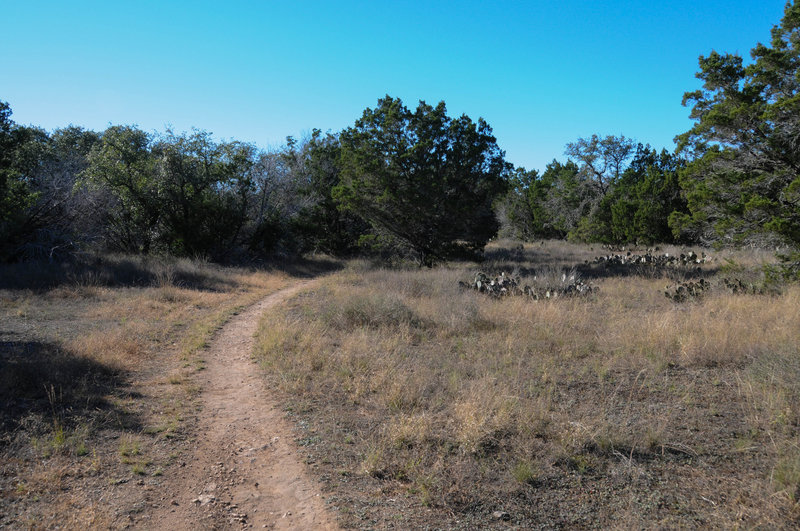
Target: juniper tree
column 424, row 181
column 743, row 185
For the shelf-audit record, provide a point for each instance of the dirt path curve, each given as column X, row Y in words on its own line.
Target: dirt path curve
column 243, row 472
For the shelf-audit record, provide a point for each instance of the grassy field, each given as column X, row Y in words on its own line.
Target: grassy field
column 421, row 404
column 418, row 403
column 97, row 393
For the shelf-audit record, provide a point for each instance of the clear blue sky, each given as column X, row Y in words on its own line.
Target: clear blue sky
column 542, row 73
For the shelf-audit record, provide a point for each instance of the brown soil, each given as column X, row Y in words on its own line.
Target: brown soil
column 243, row 471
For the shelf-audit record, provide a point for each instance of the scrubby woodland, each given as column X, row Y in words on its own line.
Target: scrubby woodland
column 417, row 183
column 611, row 342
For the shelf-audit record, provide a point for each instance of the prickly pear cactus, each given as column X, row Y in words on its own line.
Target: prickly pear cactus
column 686, row 291
column 505, row 285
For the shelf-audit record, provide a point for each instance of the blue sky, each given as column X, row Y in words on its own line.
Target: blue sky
column 542, row 73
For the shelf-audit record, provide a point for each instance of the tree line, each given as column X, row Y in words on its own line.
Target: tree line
column 417, row 183
column 610, row 190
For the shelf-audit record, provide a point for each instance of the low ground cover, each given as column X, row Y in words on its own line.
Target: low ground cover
column 98, row 360
column 423, row 404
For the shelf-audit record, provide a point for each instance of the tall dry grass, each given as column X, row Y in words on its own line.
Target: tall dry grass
column 461, row 400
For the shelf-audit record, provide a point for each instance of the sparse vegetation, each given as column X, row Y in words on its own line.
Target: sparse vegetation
column 623, row 408
column 93, row 387
column 553, row 385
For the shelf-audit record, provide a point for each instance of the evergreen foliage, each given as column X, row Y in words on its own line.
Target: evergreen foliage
column 320, row 225
column 628, row 205
column 424, row 181
column 638, row 203
column 419, row 183
column 743, row 184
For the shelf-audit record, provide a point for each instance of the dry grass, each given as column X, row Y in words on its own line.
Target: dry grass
column 625, row 409
column 97, row 358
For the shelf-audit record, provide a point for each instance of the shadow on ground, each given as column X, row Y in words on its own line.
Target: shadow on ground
column 42, row 380
column 307, row 267
column 145, row 271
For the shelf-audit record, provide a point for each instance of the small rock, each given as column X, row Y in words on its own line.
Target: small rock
column 501, row 515
column 204, row 499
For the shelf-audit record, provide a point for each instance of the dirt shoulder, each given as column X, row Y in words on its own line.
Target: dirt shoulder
column 105, row 366
column 242, row 470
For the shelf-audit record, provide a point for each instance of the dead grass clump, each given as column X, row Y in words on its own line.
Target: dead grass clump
column 373, row 310
column 786, row 478
column 770, row 388
column 772, row 385
column 402, row 392
column 361, row 306
column 484, row 415
column 172, row 294
column 736, row 329
column 118, row 348
column 464, row 317
column 291, row 350
column 409, row 430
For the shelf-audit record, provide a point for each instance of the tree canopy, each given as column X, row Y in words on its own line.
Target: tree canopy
column 184, row 194
column 423, row 180
column 743, row 184
column 417, row 182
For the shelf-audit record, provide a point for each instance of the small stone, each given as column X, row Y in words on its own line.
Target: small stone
column 204, row 499
column 501, row 515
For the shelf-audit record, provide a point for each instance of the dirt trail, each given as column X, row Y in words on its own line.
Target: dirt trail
column 243, row 471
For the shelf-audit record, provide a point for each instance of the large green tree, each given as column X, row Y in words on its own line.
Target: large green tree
column 184, row 194
column 122, row 164
column 319, row 225
column 422, row 179
column 515, row 210
column 570, row 196
column 203, row 192
column 743, row 185
column 647, row 193
column 16, row 194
